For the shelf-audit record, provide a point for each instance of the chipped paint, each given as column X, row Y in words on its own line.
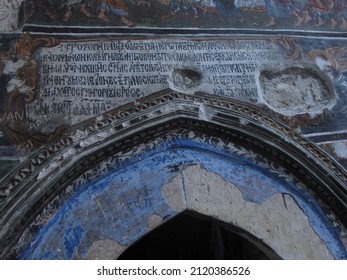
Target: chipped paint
column 121, row 205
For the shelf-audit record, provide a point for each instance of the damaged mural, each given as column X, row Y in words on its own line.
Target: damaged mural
column 257, row 14
column 118, row 117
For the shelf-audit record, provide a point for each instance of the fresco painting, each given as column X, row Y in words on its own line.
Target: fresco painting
column 329, row 15
column 119, row 115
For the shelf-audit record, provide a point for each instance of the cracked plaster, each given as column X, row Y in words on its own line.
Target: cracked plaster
column 279, row 221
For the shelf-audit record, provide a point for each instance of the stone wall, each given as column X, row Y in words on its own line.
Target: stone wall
column 106, row 118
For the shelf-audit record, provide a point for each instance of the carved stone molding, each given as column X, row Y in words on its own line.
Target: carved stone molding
column 51, row 168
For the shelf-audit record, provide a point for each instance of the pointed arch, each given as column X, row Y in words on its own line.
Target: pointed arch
column 214, row 125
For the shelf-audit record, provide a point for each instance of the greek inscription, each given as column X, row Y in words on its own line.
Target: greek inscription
column 88, row 78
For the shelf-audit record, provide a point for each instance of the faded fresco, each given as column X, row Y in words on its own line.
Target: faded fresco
column 246, row 14
column 47, row 84
column 9, row 16
column 97, row 97
column 50, row 84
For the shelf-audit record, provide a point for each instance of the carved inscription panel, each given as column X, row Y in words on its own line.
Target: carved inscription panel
column 85, row 79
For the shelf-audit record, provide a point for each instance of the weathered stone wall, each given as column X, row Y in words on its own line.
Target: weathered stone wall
column 112, row 125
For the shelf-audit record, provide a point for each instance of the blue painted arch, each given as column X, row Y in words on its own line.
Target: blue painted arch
column 266, row 150
column 118, row 205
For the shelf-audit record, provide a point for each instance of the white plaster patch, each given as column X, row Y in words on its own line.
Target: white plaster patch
column 322, row 63
column 154, row 221
column 173, row 194
column 297, row 90
column 205, row 113
column 105, row 249
column 70, row 153
column 44, row 172
column 100, row 118
column 279, row 222
column 14, row 84
column 12, row 67
column 243, row 121
column 169, row 108
column 106, row 133
column 340, row 149
column 185, row 79
column 94, row 138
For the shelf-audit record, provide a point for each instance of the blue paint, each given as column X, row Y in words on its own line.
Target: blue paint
column 72, row 239
column 118, row 205
column 50, row 256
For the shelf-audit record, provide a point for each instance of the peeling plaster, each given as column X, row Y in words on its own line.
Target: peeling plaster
column 154, row 221
column 277, row 223
column 173, row 194
column 12, row 67
column 9, row 14
column 340, row 149
column 294, row 90
column 135, row 199
column 185, row 79
column 105, row 250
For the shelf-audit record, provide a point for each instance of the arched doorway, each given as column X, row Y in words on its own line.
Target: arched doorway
column 121, row 176
column 190, row 236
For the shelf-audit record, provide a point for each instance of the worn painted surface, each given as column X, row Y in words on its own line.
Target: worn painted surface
column 9, row 14
column 53, row 83
column 126, row 203
column 260, row 14
column 207, row 193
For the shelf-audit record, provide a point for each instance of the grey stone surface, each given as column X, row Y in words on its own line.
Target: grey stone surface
column 173, row 193
column 154, row 221
column 105, row 250
column 279, row 222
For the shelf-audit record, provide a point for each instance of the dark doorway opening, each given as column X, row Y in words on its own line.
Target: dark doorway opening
column 194, row 237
